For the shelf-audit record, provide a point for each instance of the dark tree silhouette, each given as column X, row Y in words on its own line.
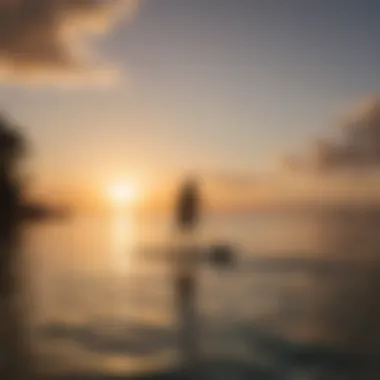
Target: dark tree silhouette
column 12, row 149
column 12, row 349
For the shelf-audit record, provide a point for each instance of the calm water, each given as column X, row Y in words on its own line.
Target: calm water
column 100, row 296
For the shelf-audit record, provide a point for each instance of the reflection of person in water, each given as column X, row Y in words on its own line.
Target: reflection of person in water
column 185, row 272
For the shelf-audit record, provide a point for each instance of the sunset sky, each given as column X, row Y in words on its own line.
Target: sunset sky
column 218, row 87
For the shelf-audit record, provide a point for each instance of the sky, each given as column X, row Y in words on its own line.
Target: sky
column 215, row 87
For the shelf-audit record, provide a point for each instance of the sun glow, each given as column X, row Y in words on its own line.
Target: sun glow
column 122, row 193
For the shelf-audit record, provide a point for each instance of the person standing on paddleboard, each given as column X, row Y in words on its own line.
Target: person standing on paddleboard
column 187, row 219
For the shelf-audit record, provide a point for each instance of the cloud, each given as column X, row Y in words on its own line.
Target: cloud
column 358, row 146
column 49, row 39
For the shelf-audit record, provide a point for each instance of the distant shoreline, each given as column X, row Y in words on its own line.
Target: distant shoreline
column 39, row 213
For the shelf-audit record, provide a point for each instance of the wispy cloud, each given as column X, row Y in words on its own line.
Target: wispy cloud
column 357, row 148
column 45, row 40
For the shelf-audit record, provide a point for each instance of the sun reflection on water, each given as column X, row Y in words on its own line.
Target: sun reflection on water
column 122, row 241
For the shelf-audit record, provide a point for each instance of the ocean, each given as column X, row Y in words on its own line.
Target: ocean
column 99, row 295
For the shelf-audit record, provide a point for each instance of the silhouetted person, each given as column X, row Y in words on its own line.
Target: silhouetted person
column 12, row 363
column 187, row 217
column 188, row 206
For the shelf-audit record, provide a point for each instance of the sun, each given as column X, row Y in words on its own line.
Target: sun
column 122, row 193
